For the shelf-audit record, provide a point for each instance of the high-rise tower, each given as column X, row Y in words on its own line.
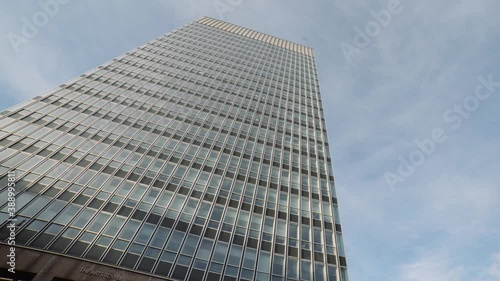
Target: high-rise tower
column 201, row 155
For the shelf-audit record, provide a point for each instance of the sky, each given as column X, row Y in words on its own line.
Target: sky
column 411, row 91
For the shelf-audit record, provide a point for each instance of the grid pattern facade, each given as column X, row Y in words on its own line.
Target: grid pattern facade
column 201, row 155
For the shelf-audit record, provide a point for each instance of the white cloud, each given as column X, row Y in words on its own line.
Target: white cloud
column 494, row 269
column 431, row 268
column 439, row 267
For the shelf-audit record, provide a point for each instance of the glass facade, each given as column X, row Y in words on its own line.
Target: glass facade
column 201, row 155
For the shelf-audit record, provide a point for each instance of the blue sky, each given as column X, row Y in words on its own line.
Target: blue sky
column 415, row 78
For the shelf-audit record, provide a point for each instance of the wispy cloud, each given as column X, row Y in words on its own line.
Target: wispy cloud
column 494, row 270
column 431, row 268
column 436, row 267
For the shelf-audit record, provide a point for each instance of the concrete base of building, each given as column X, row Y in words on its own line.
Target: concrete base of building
column 35, row 265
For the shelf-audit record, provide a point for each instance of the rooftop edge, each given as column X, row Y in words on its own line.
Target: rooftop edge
column 243, row 31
